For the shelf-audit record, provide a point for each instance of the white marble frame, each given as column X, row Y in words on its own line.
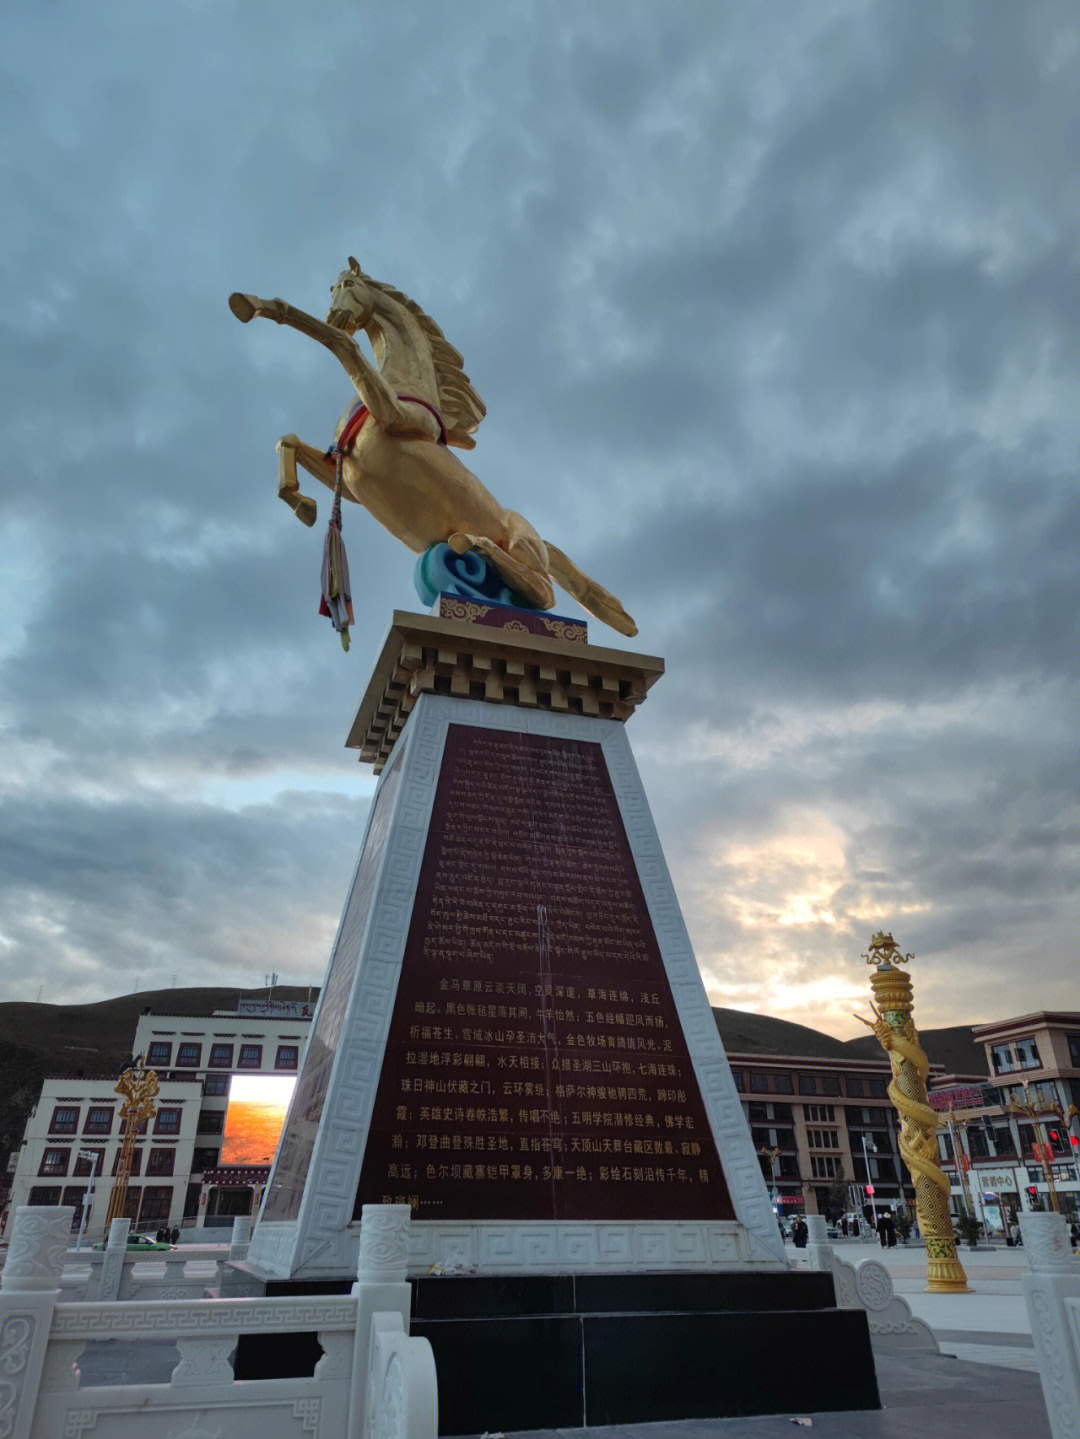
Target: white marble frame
column 324, row 1239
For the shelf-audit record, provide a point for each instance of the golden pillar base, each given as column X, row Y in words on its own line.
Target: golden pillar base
column 944, row 1272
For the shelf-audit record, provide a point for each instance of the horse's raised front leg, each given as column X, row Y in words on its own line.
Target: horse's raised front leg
column 369, row 384
column 290, row 449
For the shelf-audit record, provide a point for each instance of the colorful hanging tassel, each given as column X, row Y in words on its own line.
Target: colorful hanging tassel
column 336, row 601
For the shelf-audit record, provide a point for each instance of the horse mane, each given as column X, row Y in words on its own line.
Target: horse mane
column 461, row 407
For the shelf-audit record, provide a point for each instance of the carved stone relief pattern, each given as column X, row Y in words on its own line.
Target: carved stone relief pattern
column 35, row 1258
column 194, row 1317
column 16, row 1333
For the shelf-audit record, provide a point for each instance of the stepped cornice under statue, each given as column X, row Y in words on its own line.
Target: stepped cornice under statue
column 429, row 654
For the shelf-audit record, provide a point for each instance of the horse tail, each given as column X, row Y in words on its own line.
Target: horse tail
column 591, row 596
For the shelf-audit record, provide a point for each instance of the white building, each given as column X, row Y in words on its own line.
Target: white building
column 74, row 1133
column 71, row 1149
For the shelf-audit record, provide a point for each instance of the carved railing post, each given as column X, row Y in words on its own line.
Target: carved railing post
column 29, row 1289
column 819, row 1252
column 241, row 1237
column 1053, row 1284
column 380, row 1288
column 111, row 1274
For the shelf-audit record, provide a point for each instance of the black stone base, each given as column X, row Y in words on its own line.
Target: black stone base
column 565, row 1352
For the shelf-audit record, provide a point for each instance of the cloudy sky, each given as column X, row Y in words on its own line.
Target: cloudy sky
column 775, row 309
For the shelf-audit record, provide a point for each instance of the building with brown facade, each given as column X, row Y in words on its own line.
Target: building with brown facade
column 1016, row 1134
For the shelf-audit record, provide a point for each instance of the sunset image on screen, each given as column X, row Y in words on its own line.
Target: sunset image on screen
column 258, row 1104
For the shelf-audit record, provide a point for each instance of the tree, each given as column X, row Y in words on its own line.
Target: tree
column 836, row 1198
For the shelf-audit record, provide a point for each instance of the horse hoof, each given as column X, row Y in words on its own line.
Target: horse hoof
column 460, row 544
column 307, row 511
column 241, row 307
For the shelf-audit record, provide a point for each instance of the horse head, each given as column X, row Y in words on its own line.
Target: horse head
column 352, row 301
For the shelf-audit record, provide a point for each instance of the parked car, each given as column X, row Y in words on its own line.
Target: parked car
column 138, row 1244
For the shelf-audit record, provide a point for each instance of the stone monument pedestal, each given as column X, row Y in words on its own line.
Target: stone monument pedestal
column 513, row 1039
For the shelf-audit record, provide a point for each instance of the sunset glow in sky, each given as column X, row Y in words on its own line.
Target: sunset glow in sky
column 775, row 309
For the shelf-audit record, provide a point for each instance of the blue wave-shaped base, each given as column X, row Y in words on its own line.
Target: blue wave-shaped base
column 439, row 571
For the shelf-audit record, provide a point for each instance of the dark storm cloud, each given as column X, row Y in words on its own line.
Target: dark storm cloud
column 775, row 311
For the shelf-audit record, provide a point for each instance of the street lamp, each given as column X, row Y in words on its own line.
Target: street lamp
column 93, row 1157
column 958, row 1159
column 869, row 1182
column 1042, row 1146
column 772, row 1156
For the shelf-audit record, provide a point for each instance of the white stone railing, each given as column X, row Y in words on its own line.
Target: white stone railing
column 1052, row 1291
column 372, row 1380
column 868, row 1285
column 179, row 1273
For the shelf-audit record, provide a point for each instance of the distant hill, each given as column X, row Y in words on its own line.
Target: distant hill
column 745, row 1033
column 953, row 1048
column 73, row 1040
column 68, row 1041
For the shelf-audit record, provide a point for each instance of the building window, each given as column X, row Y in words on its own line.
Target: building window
column 42, row 1195
column 820, row 1113
column 782, row 1084
column 211, row 1121
column 203, row 1159
column 89, row 1161
column 824, row 1166
column 136, row 1163
column 189, row 1055
column 829, row 1084
column 221, row 1056
column 99, row 1119
column 807, row 1083
column 822, row 1139
column 287, row 1057
column 879, row 1089
column 1074, row 1050
column 159, row 1054
column 737, row 1076
column 250, row 1056
column 156, row 1203
column 65, row 1119
column 160, row 1161
column 167, row 1121
column 216, row 1085
column 854, row 1088
column 976, row 1142
column 759, row 1083
column 54, row 1162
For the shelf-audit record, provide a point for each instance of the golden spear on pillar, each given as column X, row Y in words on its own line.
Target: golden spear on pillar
column 896, row 1033
column 138, row 1087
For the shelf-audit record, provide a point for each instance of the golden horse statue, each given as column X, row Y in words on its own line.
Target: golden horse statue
column 395, row 449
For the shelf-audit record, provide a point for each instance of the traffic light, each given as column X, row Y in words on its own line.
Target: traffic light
column 869, row 1189
column 1074, row 1141
column 1033, row 1192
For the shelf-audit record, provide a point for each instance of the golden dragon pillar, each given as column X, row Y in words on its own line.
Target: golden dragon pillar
column 896, row 1032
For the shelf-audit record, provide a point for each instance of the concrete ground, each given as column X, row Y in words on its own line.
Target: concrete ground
column 984, row 1383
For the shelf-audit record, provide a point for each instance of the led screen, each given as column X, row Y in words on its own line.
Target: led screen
column 257, row 1107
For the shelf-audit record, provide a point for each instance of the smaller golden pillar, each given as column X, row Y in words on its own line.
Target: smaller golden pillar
column 897, row 1035
column 138, row 1086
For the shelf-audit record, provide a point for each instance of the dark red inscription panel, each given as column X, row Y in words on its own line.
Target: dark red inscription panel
column 535, row 1066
